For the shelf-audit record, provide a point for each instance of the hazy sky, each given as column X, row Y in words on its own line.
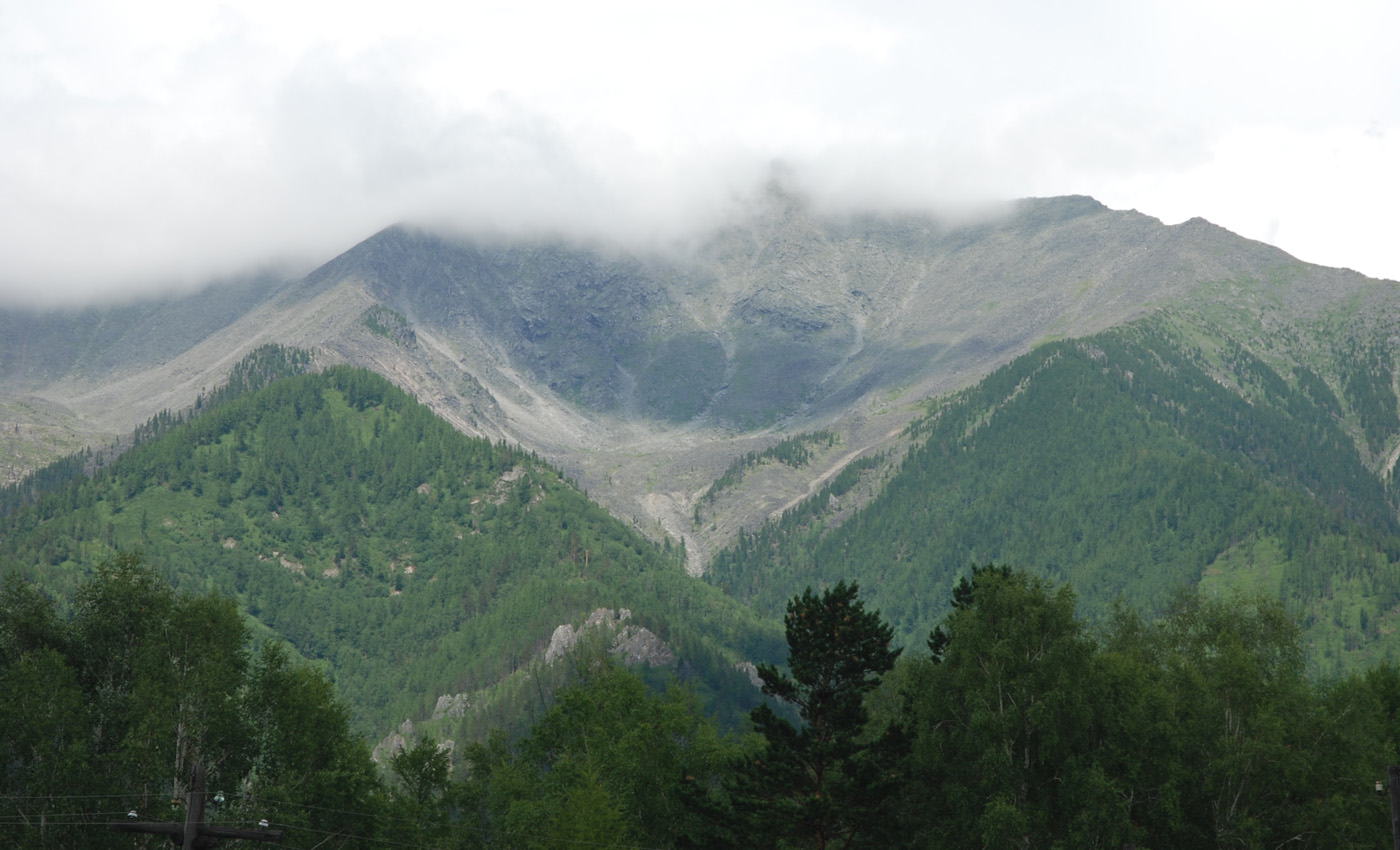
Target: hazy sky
column 147, row 144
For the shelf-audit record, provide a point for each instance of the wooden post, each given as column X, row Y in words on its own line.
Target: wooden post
column 1394, row 772
column 194, row 834
column 194, row 807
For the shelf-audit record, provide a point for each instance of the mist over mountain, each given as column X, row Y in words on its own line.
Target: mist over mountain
column 644, row 375
column 797, row 397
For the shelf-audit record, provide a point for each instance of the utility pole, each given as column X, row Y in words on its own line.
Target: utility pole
column 194, row 833
column 1394, row 772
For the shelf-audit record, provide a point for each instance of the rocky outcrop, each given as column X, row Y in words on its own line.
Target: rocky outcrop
column 393, row 743
column 452, row 705
column 633, row 644
column 748, row 669
column 636, row 645
column 400, row 739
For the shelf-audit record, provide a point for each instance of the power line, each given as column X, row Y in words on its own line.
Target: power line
column 268, row 801
column 79, row 796
column 49, row 817
column 482, row 830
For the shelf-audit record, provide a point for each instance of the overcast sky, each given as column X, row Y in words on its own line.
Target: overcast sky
column 154, row 144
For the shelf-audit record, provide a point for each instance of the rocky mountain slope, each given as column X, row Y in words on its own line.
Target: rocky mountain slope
column 644, row 376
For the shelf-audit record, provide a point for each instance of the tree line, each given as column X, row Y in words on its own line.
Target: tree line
column 1016, row 726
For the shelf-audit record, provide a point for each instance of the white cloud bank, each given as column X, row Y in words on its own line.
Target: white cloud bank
column 147, row 145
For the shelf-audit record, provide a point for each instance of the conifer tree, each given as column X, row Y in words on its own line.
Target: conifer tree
column 829, row 783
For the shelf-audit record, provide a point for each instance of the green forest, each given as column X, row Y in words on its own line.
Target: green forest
column 407, row 559
column 1017, row 725
column 1192, row 645
column 1131, row 464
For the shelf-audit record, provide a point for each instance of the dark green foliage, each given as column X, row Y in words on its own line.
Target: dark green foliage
column 313, row 775
column 351, row 521
column 1368, row 382
column 1006, row 726
column 832, row 782
column 55, row 476
column 389, row 324
column 798, row 531
column 107, row 711
column 605, row 764
column 424, row 776
column 1198, row 730
column 1127, row 463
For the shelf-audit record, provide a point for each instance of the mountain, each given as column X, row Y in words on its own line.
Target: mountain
column 645, row 375
column 796, row 398
column 1134, row 463
column 415, row 562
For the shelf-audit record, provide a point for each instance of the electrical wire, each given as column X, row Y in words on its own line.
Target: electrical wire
column 77, row 796
column 484, row 831
column 83, row 819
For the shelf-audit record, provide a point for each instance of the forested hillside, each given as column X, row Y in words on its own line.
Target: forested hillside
column 1132, row 463
column 412, row 561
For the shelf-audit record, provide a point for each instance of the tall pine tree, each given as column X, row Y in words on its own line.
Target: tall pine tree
column 830, row 783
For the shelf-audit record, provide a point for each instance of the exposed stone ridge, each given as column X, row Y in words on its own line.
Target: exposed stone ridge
column 452, row 705
column 634, row 644
column 398, row 741
column 393, row 743
column 637, row 645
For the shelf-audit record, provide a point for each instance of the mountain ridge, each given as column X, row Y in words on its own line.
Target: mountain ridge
column 350, row 521
column 644, row 375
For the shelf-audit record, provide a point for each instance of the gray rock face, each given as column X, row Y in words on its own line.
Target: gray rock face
column 633, row 644
column 451, row 706
column 393, row 743
column 564, row 639
column 637, row 645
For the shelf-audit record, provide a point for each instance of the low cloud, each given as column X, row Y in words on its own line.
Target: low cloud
column 141, row 151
